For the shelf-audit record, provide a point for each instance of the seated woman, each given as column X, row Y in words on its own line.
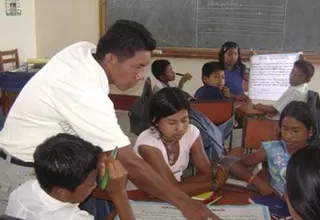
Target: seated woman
column 297, row 130
column 303, row 184
column 168, row 143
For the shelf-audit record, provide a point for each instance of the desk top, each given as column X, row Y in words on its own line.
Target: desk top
column 247, row 110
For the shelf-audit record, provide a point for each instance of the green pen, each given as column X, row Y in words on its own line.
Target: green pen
column 104, row 182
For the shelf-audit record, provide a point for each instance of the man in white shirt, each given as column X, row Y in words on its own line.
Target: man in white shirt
column 70, row 94
column 300, row 76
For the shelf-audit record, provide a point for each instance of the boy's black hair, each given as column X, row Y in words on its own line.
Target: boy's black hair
column 64, row 161
column 124, row 38
column 306, row 67
column 158, row 68
column 210, row 67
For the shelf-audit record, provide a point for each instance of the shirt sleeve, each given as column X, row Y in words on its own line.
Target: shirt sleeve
column 89, row 113
column 287, row 97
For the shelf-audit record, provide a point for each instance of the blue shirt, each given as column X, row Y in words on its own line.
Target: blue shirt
column 234, row 81
column 207, row 92
column 278, row 157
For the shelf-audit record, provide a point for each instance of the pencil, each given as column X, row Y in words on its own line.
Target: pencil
column 104, row 182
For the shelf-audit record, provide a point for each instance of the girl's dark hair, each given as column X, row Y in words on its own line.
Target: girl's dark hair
column 303, row 182
column 225, row 47
column 302, row 113
column 166, row 102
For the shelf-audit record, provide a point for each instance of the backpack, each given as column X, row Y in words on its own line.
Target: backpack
column 139, row 113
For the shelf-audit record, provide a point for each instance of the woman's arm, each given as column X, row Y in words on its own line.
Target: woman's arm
column 240, row 169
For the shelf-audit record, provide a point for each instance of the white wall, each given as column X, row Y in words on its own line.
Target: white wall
column 60, row 23
column 19, row 31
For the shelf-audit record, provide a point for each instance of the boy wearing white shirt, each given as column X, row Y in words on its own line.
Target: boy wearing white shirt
column 300, row 76
column 66, row 167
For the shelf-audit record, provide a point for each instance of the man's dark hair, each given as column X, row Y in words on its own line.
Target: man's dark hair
column 159, row 67
column 64, row 161
column 306, row 67
column 124, row 38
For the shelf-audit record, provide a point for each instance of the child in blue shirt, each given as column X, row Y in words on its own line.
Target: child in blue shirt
column 230, row 59
column 297, row 130
column 213, row 79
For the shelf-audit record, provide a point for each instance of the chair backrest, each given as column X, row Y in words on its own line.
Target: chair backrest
column 256, row 131
column 218, row 111
column 139, row 113
column 9, row 56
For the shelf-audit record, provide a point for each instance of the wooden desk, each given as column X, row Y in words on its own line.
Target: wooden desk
column 247, row 110
column 230, row 196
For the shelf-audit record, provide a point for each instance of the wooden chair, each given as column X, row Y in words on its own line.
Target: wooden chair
column 256, row 131
column 9, row 56
column 217, row 111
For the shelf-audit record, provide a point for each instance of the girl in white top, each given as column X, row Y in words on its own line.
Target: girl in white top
column 168, row 143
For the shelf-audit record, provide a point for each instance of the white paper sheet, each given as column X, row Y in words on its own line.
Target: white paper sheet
column 161, row 211
column 269, row 75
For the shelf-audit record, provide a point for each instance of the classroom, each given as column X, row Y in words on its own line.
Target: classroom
column 255, row 149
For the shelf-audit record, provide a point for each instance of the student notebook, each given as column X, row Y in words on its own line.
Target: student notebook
column 277, row 207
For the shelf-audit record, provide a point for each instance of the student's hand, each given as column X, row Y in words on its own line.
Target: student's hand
column 264, row 187
column 220, row 177
column 186, row 77
column 258, row 106
column 226, row 92
column 117, row 177
column 243, row 98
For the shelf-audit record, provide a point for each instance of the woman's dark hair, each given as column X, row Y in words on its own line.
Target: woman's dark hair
column 166, row 102
column 159, row 67
column 225, row 47
column 303, row 182
column 302, row 113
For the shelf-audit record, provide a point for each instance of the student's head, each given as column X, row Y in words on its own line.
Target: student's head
column 303, row 184
column 301, row 73
column 162, row 70
column 297, row 126
column 169, row 113
column 229, row 54
column 213, row 74
column 66, row 167
column 124, row 51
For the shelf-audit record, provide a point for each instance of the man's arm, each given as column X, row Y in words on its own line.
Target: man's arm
column 141, row 174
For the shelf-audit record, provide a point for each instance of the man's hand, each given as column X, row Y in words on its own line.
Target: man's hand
column 195, row 210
